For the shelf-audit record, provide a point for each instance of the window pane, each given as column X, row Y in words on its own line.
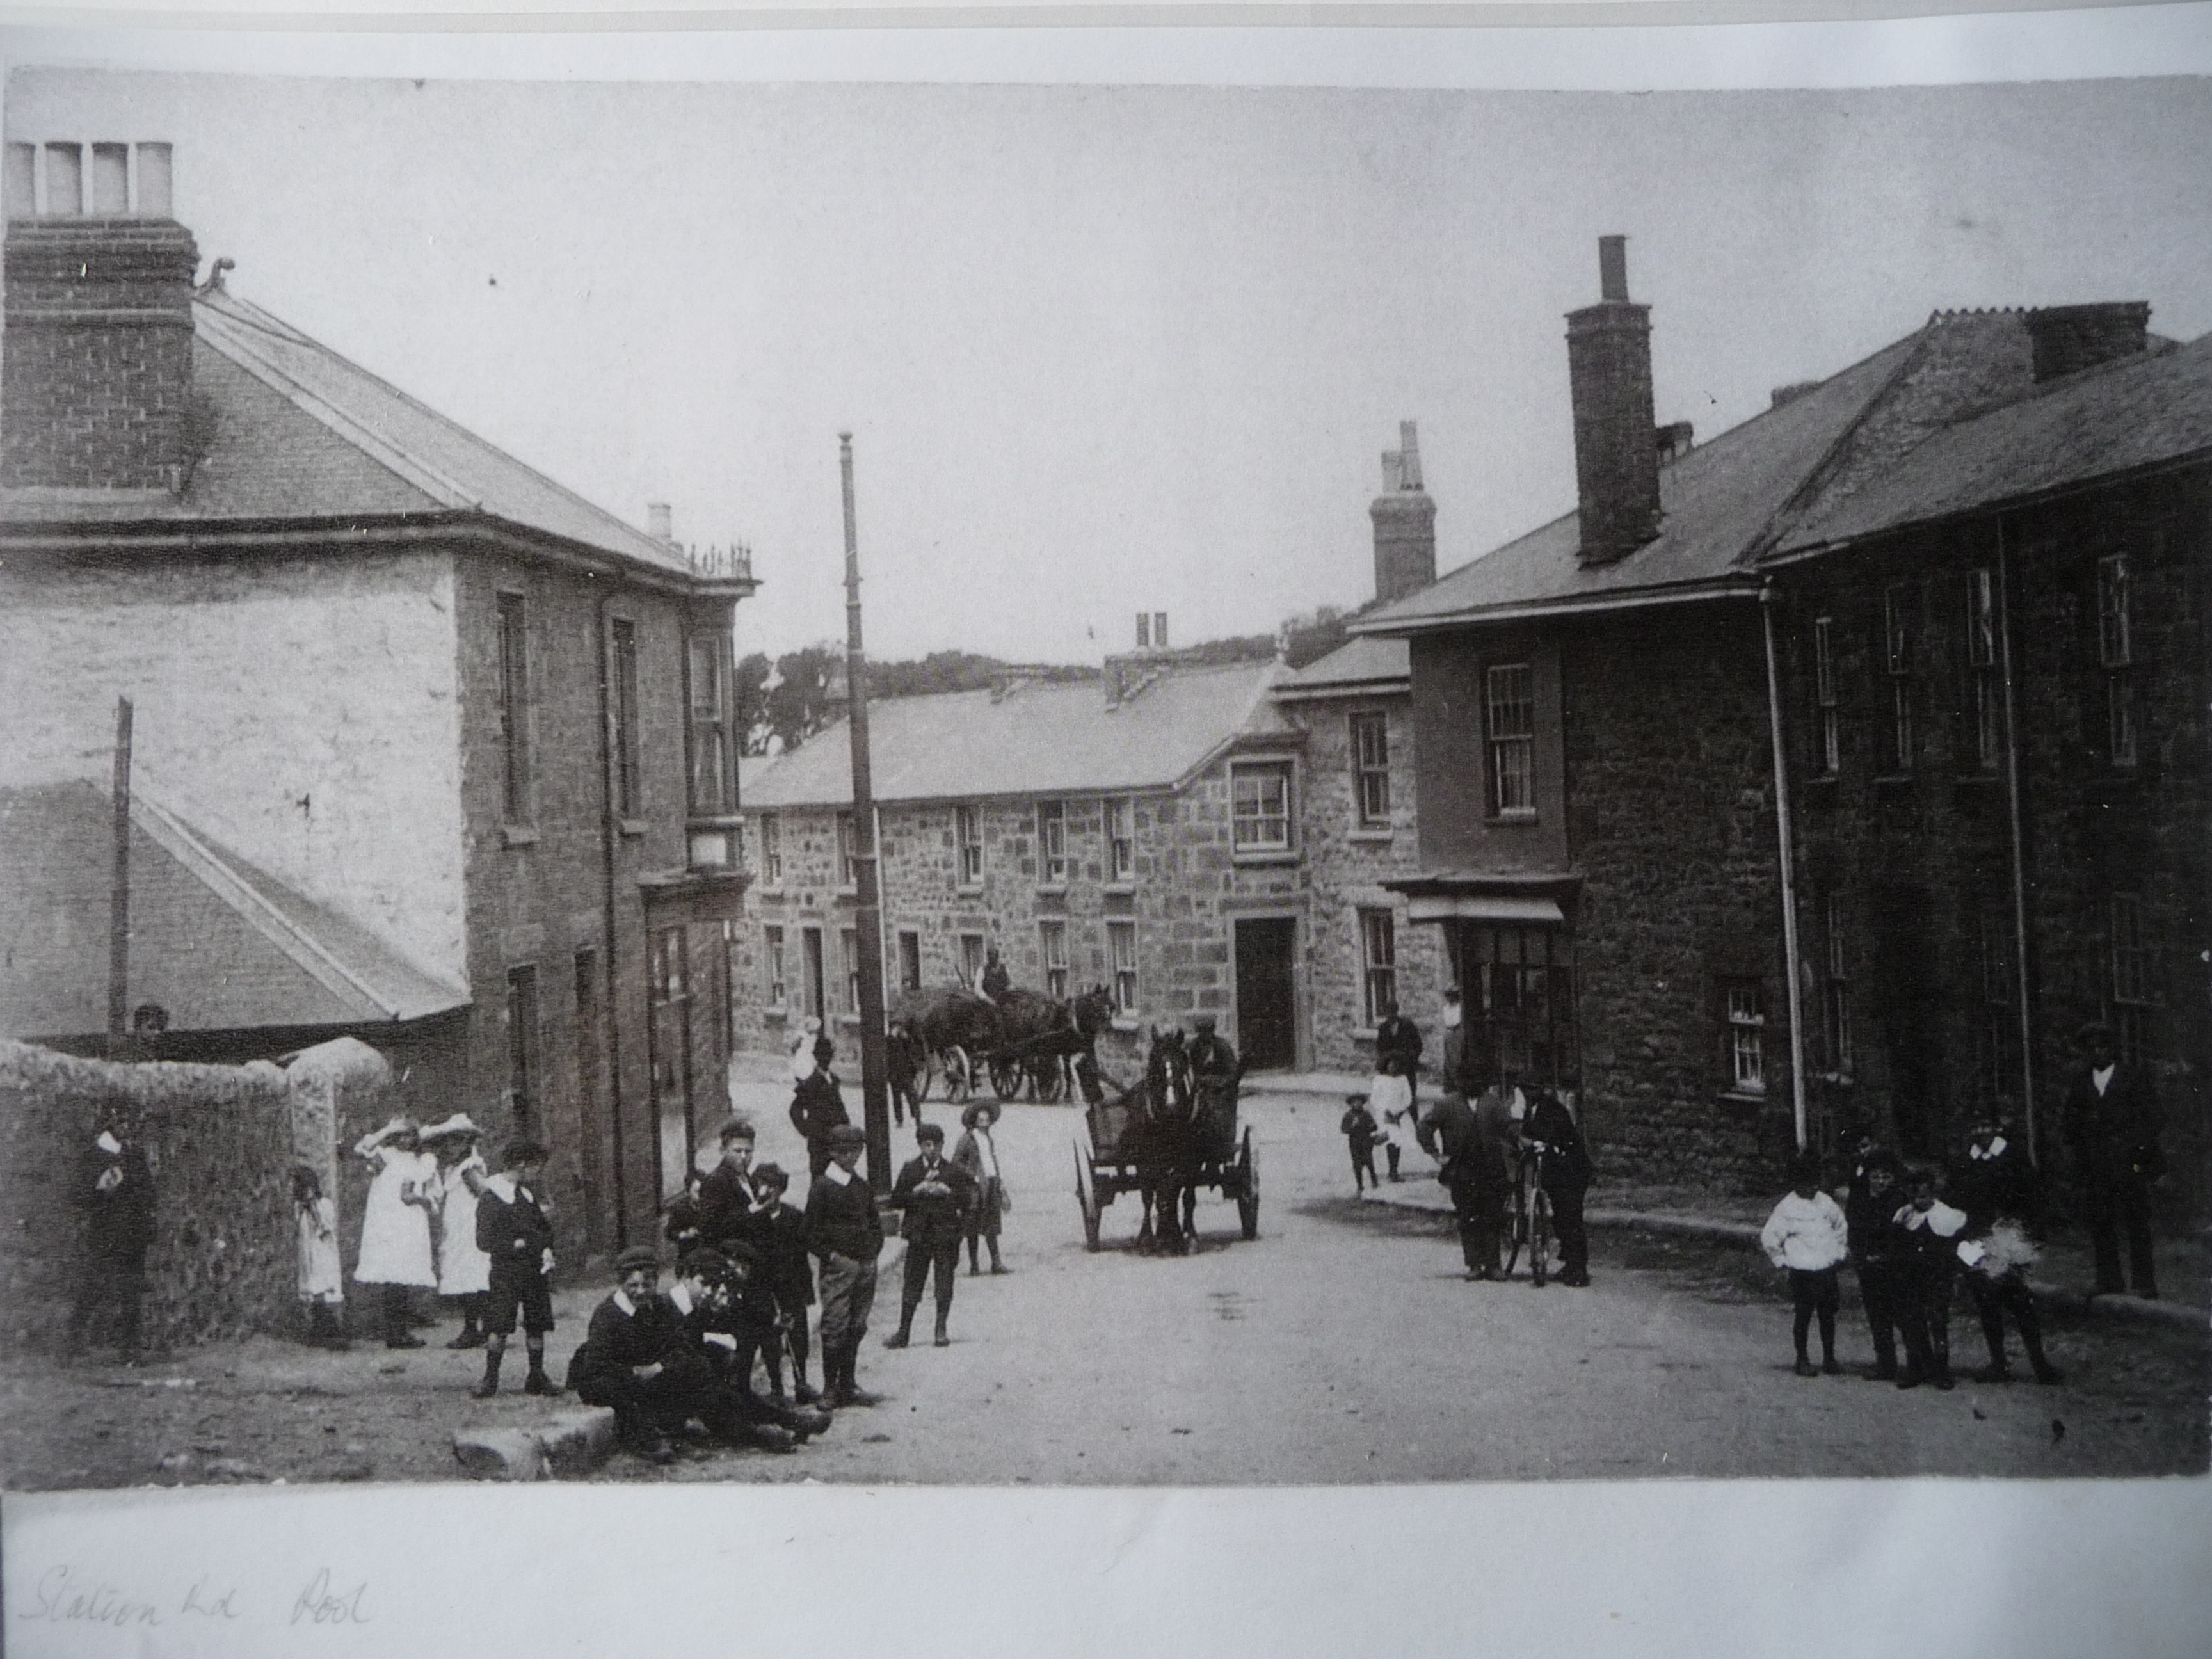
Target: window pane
column 1261, row 807
column 2115, row 643
column 1510, row 710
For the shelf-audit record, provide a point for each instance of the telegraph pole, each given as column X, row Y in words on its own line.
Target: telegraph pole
column 118, row 902
column 867, row 911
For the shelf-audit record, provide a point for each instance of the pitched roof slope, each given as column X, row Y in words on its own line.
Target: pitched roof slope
column 1947, row 417
column 219, row 943
column 1038, row 738
column 1357, row 664
column 1715, row 500
column 302, row 433
column 2139, row 412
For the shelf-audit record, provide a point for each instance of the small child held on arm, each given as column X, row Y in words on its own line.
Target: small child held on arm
column 1806, row 1236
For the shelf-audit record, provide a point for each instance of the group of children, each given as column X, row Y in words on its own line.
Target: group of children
column 1910, row 1235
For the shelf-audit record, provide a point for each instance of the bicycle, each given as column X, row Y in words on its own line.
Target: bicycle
column 1529, row 1226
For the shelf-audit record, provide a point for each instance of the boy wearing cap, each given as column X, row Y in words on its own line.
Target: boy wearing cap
column 933, row 1196
column 512, row 1228
column 725, row 1320
column 786, row 1277
column 845, row 1233
column 1361, row 1132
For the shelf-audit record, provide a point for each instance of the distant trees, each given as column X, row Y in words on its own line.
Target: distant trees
column 782, row 702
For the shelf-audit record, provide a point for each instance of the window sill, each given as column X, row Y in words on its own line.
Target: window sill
column 775, row 1016
column 1059, row 887
column 1894, row 781
column 516, row 834
column 1373, row 832
column 1275, row 855
column 1364, row 1033
column 634, row 827
column 1737, row 1100
column 1128, row 886
column 1978, row 780
column 1519, row 815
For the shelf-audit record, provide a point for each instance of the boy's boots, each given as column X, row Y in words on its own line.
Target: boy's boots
column 538, row 1382
column 1390, row 1152
column 490, row 1386
column 941, row 1339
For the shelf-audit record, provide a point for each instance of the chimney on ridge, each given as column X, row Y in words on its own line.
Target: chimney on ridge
column 1616, row 444
column 660, row 523
column 98, row 369
column 2068, row 339
column 1405, row 522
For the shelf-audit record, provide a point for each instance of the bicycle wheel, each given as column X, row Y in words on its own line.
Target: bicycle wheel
column 1516, row 1230
column 1540, row 1236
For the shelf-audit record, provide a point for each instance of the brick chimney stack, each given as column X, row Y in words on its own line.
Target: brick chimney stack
column 2069, row 339
column 99, row 360
column 1405, row 522
column 1616, row 446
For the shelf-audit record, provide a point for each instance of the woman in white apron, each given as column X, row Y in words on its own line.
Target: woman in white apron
column 395, row 1221
column 464, row 1271
column 1390, row 1098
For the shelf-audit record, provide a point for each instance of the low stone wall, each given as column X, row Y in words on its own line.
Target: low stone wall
column 220, row 1141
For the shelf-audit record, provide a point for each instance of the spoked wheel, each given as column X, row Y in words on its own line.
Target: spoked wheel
column 1517, row 1234
column 959, row 1074
column 1086, row 1195
column 1247, row 1188
column 1006, row 1077
column 1539, row 1238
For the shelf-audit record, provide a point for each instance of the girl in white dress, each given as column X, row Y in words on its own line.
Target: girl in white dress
column 464, row 1271
column 395, row 1221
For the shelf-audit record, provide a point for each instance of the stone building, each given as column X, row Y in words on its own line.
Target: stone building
column 1143, row 835
column 1601, row 730
column 426, row 749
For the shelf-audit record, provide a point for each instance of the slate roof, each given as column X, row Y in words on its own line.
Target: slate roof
column 303, row 434
column 2121, row 417
column 1908, row 433
column 1365, row 665
column 1038, row 738
column 221, row 944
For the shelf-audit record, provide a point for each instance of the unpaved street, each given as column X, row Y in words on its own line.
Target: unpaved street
column 1342, row 1346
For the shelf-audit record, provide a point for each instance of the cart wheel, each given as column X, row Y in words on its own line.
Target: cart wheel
column 922, row 1079
column 1247, row 1188
column 959, row 1074
column 1539, row 1238
column 1086, row 1195
column 1006, row 1077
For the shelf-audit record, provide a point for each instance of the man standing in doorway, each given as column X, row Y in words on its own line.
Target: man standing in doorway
column 2113, row 1125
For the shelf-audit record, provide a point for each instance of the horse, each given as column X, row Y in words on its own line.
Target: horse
column 1031, row 1020
column 949, row 1024
column 1167, row 1149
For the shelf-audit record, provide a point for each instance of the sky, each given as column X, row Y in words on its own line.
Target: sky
column 1112, row 348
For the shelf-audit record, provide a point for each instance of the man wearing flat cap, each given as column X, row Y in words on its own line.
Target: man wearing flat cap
column 2112, row 1127
column 933, row 1196
column 845, row 1234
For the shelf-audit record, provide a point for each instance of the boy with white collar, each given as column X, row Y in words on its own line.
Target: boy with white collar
column 1931, row 1231
column 512, row 1228
column 1995, row 1184
column 845, row 1231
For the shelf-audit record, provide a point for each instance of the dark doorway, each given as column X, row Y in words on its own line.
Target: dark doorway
column 1267, row 995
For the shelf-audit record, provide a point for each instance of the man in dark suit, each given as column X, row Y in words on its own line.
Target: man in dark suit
column 1475, row 1173
column 933, row 1194
column 817, row 1106
column 2113, row 1125
column 1563, row 1170
column 1398, row 1045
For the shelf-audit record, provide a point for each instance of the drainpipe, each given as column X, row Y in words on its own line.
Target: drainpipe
column 610, row 1011
column 1785, row 834
column 2019, row 846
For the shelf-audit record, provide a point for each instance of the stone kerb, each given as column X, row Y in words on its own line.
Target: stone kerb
column 218, row 1140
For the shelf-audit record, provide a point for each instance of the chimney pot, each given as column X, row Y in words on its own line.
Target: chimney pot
column 22, row 182
column 156, row 181
column 660, row 522
column 1144, row 630
column 1409, row 456
column 64, row 181
column 111, row 181
column 1613, row 270
column 1393, row 471
column 1159, row 630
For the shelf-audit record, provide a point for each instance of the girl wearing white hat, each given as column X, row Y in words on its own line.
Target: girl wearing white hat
column 395, row 1221
column 464, row 1271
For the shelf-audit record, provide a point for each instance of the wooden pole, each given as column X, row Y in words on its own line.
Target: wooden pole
column 119, row 906
column 867, row 912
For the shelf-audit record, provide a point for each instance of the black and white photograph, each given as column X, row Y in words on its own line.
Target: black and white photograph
column 1101, row 784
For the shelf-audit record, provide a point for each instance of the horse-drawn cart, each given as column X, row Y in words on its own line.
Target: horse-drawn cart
column 965, row 1040
column 1164, row 1141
